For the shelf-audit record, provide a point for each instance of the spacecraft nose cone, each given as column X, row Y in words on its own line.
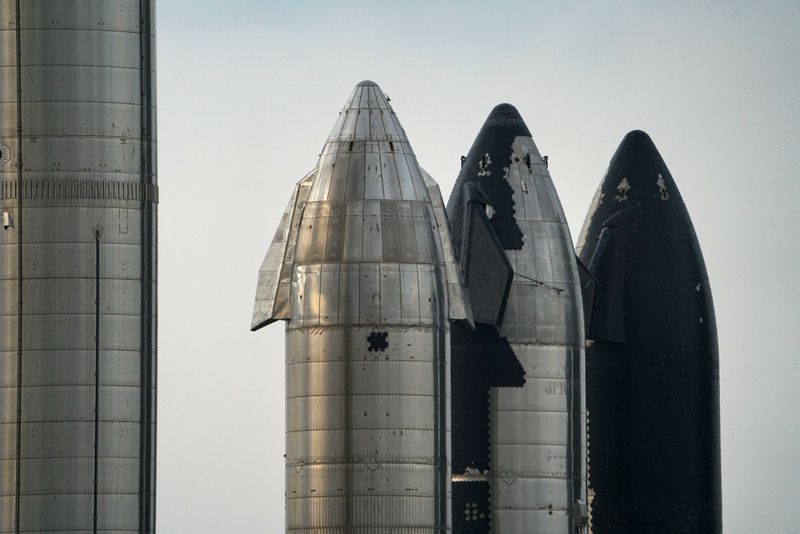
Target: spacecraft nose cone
column 636, row 148
column 506, row 116
column 367, row 116
column 636, row 136
column 505, row 112
column 637, row 174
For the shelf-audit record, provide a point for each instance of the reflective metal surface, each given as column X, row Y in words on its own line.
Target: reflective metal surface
column 536, row 466
column 363, row 270
column 77, row 266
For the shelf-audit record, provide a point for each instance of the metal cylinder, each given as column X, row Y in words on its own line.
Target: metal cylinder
column 77, row 266
column 362, row 267
column 653, row 360
column 538, row 433
column 532, row 475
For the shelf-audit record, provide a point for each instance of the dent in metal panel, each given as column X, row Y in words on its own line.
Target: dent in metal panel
column 339, row 171
column 329, row 294
column 391, row 239
column 332, row 445
column 423, row 232
column 338, row 127
column 373, row 180
column 321, row 217
column 376, row 128
column 391, row 182
column 417, row 181
column 354, row 231
column 392, row 376
column 370, row 294
column 389, row 126
column 297, row 294
column 356, row 172
column 349, row 294
column 409, row 287
column 312, row 296
column 349, row 125
column 335, row 238
column 362, row 123
column 305, row 236
column 322, row 182
column 407, row 189
column 407, row 234
column 391, row 305
column 428, row 298
column 373, row 233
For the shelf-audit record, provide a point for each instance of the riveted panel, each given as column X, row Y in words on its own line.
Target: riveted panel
column 367, row 377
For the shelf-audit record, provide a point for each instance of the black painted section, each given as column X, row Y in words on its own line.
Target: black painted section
column 487, row 272
column 496, row 139
column 481, row 360
column 609, row 261
column 377, row 341
column 471, row 507
column 653, row 369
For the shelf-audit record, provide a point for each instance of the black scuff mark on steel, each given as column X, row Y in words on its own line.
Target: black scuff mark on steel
column 148, row 266
column 482, row 359
column 18, row 473
column 539, row 283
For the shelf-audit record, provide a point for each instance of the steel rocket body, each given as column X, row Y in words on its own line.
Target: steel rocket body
column 652, row 362
column 363, row 271
column 77, row 266
column 523, row 470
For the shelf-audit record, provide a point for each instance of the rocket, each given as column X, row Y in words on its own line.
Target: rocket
column 519, row 434
column 652, row 358
column 363, row 272
column 78, row 262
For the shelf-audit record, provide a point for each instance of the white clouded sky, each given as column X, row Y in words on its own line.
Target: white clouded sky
column 248, row 91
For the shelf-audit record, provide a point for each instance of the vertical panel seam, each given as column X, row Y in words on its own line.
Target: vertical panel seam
column 17, row 502
column 97, row 233
column 146, row 461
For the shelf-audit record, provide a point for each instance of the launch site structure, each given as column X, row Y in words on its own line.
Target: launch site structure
column 78, row 266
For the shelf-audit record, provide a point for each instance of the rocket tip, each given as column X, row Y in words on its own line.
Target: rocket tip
column 507, row 115
column 637, row 140
column 638, row 145
column 506, row 112
column 637, row 136
column 505, row 108
column 366, row 83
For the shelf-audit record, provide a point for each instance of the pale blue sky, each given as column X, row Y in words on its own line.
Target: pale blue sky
column 248, row 91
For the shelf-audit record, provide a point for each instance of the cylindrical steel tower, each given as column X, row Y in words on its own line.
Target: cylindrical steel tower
column 77, row 266
column 363, row 270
